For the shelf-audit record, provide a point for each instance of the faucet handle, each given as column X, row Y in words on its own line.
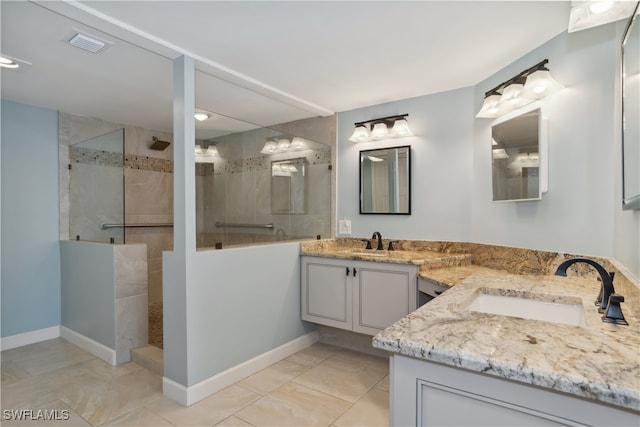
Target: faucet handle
column 614, row 311
column 368, row 243
column 390, row 247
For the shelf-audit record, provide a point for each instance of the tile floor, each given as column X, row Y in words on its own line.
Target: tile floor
column 321, row 385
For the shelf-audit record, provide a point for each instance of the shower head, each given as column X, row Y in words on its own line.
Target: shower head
column 159, row 145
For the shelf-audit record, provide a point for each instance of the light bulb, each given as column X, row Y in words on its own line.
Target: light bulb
column 360, row 134
column 380, row 131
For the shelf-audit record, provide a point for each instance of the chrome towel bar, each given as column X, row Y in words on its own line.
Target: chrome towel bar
column 225, row 224
column 158, row 224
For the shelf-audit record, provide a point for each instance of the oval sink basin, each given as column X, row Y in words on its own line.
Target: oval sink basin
column 544, row 307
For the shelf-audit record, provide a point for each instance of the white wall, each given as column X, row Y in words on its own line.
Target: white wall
column 441, row 168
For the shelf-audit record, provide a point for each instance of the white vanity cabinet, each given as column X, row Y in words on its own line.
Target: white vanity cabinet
column 361, row 296
column 425, row 393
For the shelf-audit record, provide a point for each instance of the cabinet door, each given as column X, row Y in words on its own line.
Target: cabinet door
column 327, row 292
column 383, row 294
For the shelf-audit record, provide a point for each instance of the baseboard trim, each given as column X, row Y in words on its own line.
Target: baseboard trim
column 189, row 395
column 94, row 347
column 32, row 337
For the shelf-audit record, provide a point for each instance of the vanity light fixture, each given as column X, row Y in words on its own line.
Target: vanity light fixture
column 588, row 14
column 382, row 128
column 531, row 84
column 283, row 144
column 208, row 154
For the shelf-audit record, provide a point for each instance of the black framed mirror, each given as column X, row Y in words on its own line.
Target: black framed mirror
column 385, row 181
column 631, row 113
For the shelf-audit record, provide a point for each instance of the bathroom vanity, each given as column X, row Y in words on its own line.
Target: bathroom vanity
column 361, row 296
column 453, row 365
column 464, row 359
column 365, row 291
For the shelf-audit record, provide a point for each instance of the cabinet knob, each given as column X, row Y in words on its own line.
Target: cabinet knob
column 348, row 271
column 354, row 272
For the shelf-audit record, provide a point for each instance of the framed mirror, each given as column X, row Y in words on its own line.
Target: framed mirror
column 289, row 186
column 385, row 181
column 631, row 113
column 518, row 157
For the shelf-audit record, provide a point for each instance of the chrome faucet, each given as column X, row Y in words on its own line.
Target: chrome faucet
column 377, row 235
column 606, row 288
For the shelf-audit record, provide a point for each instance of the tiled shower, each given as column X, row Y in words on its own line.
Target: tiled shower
column 109, row 178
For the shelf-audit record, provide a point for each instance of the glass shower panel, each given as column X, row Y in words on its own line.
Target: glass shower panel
column 96, row 189
column 267, row 184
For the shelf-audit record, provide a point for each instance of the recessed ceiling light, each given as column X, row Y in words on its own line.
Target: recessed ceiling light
column 14, row 64
column 201, row 116
column 8, row 63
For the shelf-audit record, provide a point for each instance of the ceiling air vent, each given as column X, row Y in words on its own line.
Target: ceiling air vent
column 87, row 43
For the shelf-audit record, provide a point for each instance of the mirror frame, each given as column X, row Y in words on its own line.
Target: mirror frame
column 631, row 201
column 360, row 199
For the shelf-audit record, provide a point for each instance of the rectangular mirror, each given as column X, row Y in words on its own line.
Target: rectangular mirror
column 288, row 186
column 518, row 158
column 631, row 114
column 385, row 181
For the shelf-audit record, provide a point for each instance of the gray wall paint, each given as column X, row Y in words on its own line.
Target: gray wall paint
column 441, row 168
column 30, row 250
column 576, row 215
column 451, row 168
column 241, row 302
column 88, row 290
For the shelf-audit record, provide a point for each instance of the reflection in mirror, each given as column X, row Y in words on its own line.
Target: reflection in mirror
column 385, row 181
column 516, row 158
column 631, row 114
column 288, row 186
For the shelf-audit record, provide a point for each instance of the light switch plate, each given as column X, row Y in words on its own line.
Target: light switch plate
column 344, row 226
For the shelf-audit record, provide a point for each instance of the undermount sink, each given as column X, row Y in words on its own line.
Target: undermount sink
column 527, row 305
column 376, row 254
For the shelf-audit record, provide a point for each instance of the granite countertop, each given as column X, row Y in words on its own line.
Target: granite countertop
column 425, row 259
column 599, row 361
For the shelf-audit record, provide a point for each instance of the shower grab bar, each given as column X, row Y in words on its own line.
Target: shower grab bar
column 224, row 224
column 158, row 224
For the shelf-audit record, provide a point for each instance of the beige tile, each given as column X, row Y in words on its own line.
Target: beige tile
column 206, row 412
column 45, row 388
column 53, row 414
column 117, row 397
column 294, row 405
column 349, row 358
column 12, row 372
column 272, row 377
column 233, row 421
column 314, row 354
column 347, row 375
column 141, row 417
column 383, row 384
column 46, row 356
column 371, row 410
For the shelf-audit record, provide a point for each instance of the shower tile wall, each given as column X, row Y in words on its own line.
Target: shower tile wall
column 238, row 189
column 148, row 196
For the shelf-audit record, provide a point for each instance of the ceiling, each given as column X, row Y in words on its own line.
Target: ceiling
column 261, row 62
